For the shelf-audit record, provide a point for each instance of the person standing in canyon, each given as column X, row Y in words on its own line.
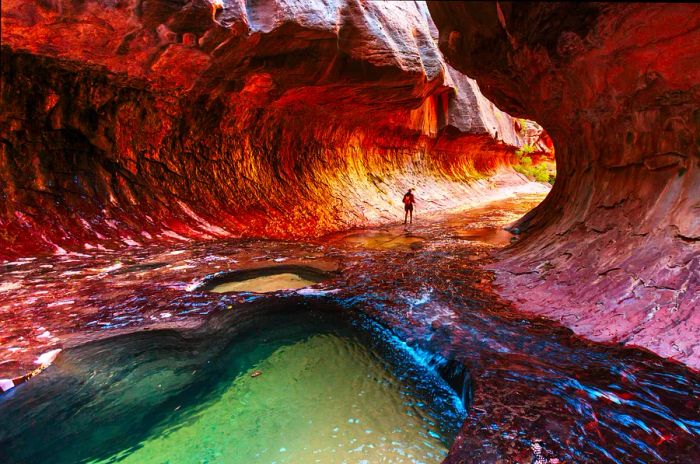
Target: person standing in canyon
column 408, row 202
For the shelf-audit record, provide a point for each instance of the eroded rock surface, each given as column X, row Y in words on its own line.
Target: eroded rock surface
column 614, row 251
column 129, row 122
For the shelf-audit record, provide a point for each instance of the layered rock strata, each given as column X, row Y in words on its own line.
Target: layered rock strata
column 614, row 251
column 128, row 122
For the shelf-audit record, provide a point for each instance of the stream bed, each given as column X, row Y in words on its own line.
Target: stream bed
column 531, row 380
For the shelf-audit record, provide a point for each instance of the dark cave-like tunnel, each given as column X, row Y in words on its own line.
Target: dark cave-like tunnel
column 147, row 147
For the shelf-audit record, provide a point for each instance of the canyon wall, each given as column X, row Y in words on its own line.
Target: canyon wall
column 126, row 122
column 614, row 250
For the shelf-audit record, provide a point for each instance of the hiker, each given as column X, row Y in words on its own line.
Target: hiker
column 408, row 202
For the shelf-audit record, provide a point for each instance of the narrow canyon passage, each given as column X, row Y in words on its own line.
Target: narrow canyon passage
column 202, row 254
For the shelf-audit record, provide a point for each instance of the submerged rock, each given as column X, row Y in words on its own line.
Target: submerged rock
column 264, row 279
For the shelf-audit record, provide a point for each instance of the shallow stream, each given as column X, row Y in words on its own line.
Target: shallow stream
column 532, row 379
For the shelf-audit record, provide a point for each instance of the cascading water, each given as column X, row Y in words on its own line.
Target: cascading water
column 527, row 380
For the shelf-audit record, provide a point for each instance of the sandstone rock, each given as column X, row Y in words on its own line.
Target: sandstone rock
column 126, row 123
column 617, row 90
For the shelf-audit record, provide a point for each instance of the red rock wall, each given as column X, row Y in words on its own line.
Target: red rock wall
column 126, row 123
column 614, row 251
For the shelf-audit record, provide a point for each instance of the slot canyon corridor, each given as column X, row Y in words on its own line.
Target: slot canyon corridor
column 349, row 231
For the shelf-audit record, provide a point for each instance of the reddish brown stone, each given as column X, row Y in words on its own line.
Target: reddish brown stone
column 614, row 250
column 120, row 126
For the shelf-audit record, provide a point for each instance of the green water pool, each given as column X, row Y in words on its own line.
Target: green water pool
column 298, row 387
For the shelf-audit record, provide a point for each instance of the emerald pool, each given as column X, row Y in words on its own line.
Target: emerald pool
column 286, row 383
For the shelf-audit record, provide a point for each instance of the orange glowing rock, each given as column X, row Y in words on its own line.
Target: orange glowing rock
column 281, row 120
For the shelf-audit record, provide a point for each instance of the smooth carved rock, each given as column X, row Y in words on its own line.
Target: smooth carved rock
column 611, row 84
column 131, row 122
column 665, row 160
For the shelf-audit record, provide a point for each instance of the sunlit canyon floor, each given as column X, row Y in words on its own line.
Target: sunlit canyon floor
column 532, row 379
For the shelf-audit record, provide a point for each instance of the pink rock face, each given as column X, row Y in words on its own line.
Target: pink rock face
column 614, row 251
column 125, row 123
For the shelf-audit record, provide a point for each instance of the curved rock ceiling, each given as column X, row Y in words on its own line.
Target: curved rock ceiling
column 133, row 121
column 614, row 251
column 125, row 122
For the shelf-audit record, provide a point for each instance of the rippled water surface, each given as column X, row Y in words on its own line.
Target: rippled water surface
column 293, row 388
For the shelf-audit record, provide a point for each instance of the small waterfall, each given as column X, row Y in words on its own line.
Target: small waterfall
column 452, row 371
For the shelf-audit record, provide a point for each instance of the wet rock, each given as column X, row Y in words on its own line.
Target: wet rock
column 531, row 378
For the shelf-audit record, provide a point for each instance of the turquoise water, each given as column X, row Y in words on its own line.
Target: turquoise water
column 323, row 391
